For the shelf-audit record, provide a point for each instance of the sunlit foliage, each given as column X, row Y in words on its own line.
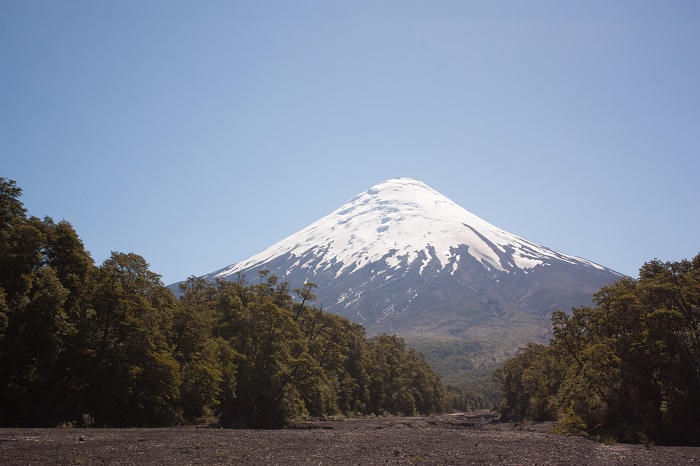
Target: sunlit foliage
column 628, row 368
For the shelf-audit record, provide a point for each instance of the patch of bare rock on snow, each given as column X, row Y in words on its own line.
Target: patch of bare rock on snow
column 465, row 439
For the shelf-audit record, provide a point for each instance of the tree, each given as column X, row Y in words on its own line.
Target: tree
column 135, row 378
column 401, row 382
column 11, row 208
column 207, row 363
column 44, row 278
column 627, row 368
column 32, row 346
column 274, row 360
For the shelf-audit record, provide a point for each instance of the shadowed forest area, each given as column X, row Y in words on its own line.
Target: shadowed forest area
column 627, row 369
column 109, row 345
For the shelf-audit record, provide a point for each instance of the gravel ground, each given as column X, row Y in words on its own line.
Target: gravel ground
column 468, row 439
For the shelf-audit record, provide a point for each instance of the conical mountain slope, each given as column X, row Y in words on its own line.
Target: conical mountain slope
column 402, row 258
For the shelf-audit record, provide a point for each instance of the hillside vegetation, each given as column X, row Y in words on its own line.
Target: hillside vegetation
column 627, row 369
column 110, row 345
column 466, row 369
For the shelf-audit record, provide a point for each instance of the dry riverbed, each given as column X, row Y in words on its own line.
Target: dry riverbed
column 467, row 439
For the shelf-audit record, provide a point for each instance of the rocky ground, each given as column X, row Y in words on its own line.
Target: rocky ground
column 467, row 439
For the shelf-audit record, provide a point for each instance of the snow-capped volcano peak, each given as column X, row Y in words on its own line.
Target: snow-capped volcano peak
column 402, row 258
column 398, row 222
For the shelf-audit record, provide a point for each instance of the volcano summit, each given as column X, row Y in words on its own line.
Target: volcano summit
column 402, row 258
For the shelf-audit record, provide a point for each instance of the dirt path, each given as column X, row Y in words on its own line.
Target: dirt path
column 464, row 439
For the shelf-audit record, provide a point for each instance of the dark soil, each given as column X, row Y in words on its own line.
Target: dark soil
column 472, row 438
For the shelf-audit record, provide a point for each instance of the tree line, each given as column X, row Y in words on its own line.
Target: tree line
column 627, row 369
column 111, row 345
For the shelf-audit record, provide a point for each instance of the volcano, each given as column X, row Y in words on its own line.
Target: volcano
column 402, row 258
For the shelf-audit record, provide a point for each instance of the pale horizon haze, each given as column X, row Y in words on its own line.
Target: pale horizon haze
column 197, row 134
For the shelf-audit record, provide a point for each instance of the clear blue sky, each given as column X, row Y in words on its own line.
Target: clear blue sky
column 198, row 133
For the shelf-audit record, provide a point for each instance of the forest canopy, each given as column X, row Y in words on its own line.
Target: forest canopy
column 627, row 369
column 111, row 345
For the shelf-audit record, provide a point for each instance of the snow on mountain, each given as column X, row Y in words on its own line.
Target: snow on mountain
column 405, row 217
column 402, row 258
